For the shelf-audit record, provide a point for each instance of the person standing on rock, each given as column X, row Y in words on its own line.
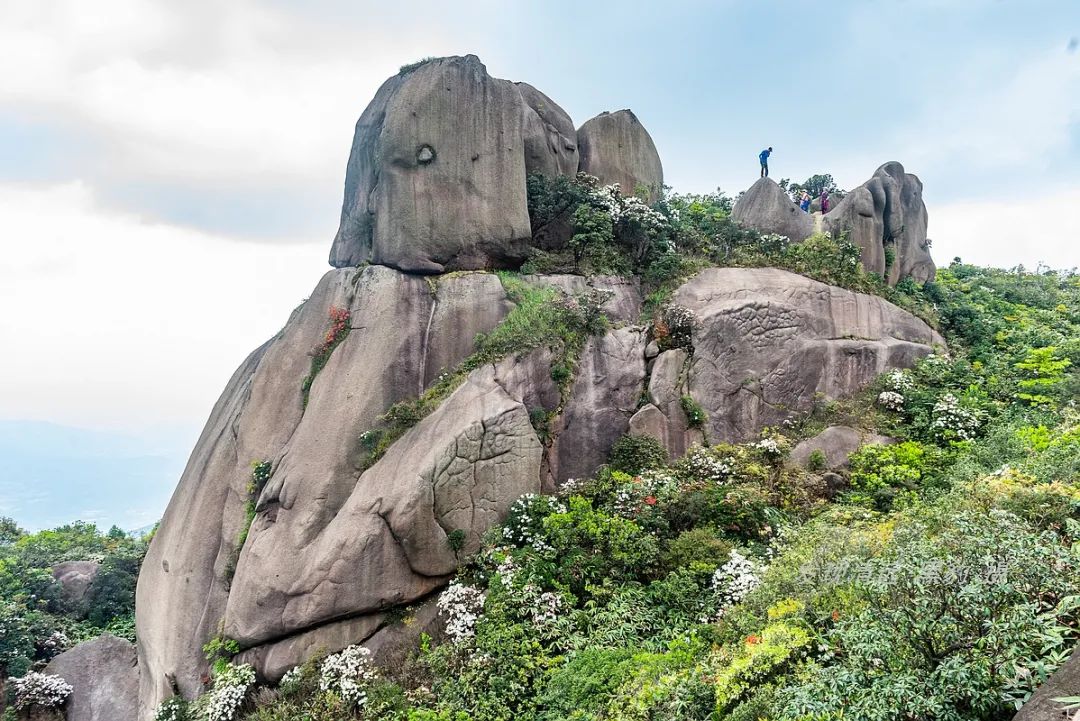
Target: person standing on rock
column 763, row 156
column 824, row 201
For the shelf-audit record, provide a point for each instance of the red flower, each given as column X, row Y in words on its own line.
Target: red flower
column 651, row 500
column 752, row 640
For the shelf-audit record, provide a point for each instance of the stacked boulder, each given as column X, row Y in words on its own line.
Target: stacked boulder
column 885, row 217
column 436, row 176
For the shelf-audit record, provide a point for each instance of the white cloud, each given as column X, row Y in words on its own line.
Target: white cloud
column 1008, row 233
column 197, row 91
column 113, row 322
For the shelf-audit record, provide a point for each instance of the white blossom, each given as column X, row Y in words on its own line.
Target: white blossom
column 899, row 380
column 953, row 420
column 734, row 580
column 230, row 689
column 461, row 605
column 349, row 674
column 891, row 399
column 40, row 689
column 703, row 464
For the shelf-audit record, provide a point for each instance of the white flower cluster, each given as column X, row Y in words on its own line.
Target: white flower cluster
column 629, row 208
column 891, row 399
column 55, row 643
column 899, row 381
column 543, row 608
column 572, row 487
column 648, row 489
column 40, row 689
column 702, row 464
column 349, row 674
column 173, row 708
column 461, row 605
column 518, row 528
column 230, row 689
column 953, row 420
column 733, row 581
column 291, row 679
column 770, row 447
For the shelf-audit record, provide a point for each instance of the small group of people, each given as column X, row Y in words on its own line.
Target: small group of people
column 804, row 199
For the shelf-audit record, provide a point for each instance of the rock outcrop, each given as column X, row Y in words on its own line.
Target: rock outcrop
column 768, row 342
column 104, row 678
column 887, row 212
column 343, row 537
column 768, row 209
column 616, row 148
column 885, row 217
column 436, row 179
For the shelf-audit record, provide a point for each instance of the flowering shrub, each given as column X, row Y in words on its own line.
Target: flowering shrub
column 349, row 674
column 773, row 448
column 231, row 685
column 899, row 380
column 335, row 334
column 461, row 604
column 174, row 708
column 706, row 465
column 733, row 581
column 891, row 400
column 40, row 689
column 524, row 525
column 952, row 421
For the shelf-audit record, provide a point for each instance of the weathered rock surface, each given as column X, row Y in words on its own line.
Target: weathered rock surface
column 836, row 443
column 1042, row 706
column 550, row 139
column 765, row 207
column 104, row 678
column 887, row 210
column 604, row 396
column 616, row 148
column 624, row 305
column 75, row 578
column 436, row 176
column 768, row 342
column 663, row 417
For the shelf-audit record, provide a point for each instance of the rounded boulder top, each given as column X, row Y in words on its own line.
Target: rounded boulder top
column 616, row 148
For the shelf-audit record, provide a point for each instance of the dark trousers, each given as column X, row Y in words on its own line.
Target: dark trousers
column 764, row 170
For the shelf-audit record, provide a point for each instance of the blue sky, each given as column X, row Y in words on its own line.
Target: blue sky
column 171, row 173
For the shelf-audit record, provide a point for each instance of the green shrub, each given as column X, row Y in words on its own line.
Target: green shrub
column 695, row 414
column 698, row 545
column 816, row 461
column 634, row 454
column 760, row 659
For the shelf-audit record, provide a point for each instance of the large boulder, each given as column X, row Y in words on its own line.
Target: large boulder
column 550, row 139
column 104, row 678
column 887, row 213
column 75, row 579
column 1042, row 706
column 768, row 343
column 765, row 207
column 436, row 176
column 616, row 148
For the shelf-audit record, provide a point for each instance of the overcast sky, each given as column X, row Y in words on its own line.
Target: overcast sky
column 171, row 172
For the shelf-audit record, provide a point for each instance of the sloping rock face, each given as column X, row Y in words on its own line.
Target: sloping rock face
column 768, row 342
column 550, row 139
column 335, row 546
column 616, row 148
column 767, row 208
column 104, row 678
column 887, row 210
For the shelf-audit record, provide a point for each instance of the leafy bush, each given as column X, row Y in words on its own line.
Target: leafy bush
column 634, row 454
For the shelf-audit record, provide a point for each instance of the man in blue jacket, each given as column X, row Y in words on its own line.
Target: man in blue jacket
column 764, row 158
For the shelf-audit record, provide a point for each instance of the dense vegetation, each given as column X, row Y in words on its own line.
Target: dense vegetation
column 38, row 619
